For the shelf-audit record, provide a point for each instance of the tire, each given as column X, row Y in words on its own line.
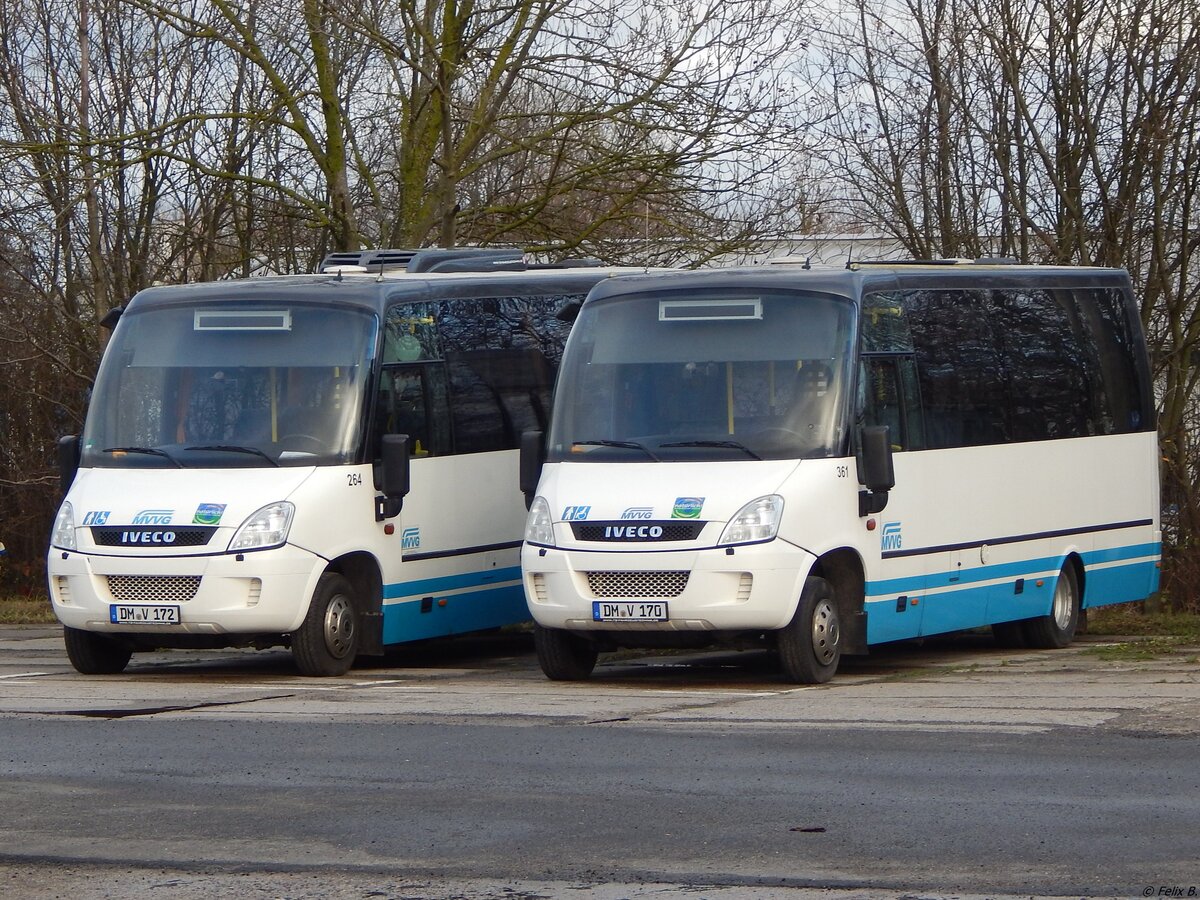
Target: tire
column 1010, row 635
column 1057, row 630
column 564, row 656
column 810, row 646
column 327, row 641
column 94, row 654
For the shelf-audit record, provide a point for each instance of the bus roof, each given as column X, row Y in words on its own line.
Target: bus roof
column 377, row 290
column 859, row 278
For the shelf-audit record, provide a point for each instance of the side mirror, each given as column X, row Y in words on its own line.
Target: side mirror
column 569, row 312
column 879, row 475
column 533, row 455
column 112, row 317
column 68, row 460
column 393, row 476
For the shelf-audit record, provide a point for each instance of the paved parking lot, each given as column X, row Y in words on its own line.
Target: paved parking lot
column 455, row 769
column 962, row 683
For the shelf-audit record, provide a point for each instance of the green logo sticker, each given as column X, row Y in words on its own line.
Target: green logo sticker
column 687, row 507
column 208, row 514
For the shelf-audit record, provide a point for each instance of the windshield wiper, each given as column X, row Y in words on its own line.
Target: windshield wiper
column 231, row 448
column 149, row 451
column 733, row 445
column 627, row 445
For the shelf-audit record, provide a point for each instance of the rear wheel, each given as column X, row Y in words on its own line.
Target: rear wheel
column 94, row 654
column 564, row 656
column 327, row 641
column 1057, row 629
column 810, row 646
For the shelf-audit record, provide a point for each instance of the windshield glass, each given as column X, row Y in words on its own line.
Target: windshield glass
column 717, row 374
column 230, row 385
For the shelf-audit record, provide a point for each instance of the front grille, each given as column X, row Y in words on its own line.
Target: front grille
column 633, row 530
column 633, row 585
column 156, row 536
column 153, row 588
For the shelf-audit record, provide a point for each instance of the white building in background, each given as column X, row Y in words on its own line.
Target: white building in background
column 827, row 249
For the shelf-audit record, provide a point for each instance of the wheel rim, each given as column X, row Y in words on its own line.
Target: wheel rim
column 825, row 632
column 339, row 626
column 1064, row 602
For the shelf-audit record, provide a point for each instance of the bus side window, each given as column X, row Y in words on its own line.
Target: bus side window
column 501, row 354
column 964, row 378
column 412, row 387
column 892, row 399
column 412, row 401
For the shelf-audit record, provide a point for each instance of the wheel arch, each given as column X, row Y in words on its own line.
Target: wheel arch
column 1075, row 561
column 843, row 569
column 362, row 570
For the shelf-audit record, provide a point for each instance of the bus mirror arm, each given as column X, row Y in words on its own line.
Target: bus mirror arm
column 393, row 476
column 879, row 476
column 68, row 460
column 533, row 455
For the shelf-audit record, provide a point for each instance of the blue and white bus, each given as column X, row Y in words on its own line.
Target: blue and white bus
column 825, row 460
column 327, row 462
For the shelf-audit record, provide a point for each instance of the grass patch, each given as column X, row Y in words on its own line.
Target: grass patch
column 1129, row 619
column 17, row 610
column 1155, row 635
column 1140, row 650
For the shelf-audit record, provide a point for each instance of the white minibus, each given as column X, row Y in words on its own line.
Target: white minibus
column 818, row 461
column 325, row 462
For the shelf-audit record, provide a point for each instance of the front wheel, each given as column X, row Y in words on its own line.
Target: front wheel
column 1057, row 630
column 94, row 654
column 810, row 646
column 564, row 656
column 327, row 641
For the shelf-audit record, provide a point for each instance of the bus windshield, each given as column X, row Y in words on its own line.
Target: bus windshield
column 220, row 385
column 714, row 374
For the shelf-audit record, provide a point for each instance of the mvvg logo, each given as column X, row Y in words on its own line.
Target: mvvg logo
column 410, row 539
column 638, row 512
column 154, row 517
column 890, row 536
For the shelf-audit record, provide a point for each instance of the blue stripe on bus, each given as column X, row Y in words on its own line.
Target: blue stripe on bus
column 1092, row 557
column 1121, row 584
column 476, row 610
column 974, row 604
column 427, row 586
column 1020, row 569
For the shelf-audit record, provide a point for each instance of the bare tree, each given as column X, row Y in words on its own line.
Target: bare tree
column 409, row 110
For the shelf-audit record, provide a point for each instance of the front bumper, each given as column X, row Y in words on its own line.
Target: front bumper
column 755, row 587
column 264, row 592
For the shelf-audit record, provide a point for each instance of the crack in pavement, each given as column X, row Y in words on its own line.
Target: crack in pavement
column 156, row 710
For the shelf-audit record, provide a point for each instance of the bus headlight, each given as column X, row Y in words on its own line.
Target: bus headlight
column 265, row 529
column 757, row 521
column 63, row 534
column 539, row 526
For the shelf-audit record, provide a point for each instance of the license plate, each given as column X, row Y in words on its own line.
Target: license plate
column 628, row 611
column 121, row 614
